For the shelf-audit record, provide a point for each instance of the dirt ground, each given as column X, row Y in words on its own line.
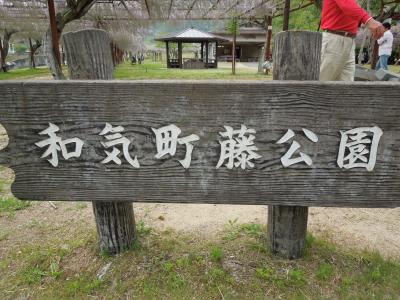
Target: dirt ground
column 372, row 229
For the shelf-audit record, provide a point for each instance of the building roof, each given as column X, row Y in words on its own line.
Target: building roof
column 246, row 36
column 192, row 35
column 244, row 31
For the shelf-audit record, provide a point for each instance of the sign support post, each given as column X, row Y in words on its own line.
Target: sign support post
column 89, row 57
column 296, row 57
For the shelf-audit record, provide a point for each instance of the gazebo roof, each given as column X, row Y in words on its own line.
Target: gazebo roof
column 192, row 35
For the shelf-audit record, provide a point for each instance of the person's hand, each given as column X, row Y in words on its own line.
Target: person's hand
column 376, row 28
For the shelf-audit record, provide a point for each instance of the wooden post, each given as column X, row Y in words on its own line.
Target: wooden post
column 202, row 52
column 206, row 54
column 180, row 54
column 296, row 56
column 88, row 54
column 168, row 58
column 216, row 54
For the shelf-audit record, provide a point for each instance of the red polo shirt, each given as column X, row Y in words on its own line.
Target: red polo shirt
column 343, row 15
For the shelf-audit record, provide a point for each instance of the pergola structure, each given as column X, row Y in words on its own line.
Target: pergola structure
column 208, row 42
column 156, row 9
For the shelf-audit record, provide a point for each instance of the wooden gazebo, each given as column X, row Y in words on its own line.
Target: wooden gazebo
column 208, row 49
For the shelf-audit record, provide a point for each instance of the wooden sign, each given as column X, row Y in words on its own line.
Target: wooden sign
column 281, row 143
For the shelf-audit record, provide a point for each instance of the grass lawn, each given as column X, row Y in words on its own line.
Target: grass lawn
column 64, row 263
column 156, row 70
column 23, row 74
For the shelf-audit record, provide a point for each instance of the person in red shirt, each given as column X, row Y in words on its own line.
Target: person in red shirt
column 340, row 21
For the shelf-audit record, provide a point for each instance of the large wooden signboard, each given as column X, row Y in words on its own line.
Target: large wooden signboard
column 286, row 143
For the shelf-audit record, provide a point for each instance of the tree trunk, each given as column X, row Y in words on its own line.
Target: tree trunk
column 32, row 51
column 296, row 57
column 2, row 57
column 361, row 52
column 374, row 54
column 234, row 54
column 366, row 31
column 261, row 60
column 268, row 41
column 89, row 56
column 52, row 61
column 4, row 46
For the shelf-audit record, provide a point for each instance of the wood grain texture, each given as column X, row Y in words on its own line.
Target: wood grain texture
column 115, row 224
column 89, row 57
column 81, row 109
column 88, row 54
column 298, row 57
column 287, row 225
column 287, row 230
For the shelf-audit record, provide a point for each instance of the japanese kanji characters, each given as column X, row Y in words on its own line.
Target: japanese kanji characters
column 359, row 147
column 55, row 144
column 114, row 137
column 288, row 160
column 239, row 149
column 167, row 140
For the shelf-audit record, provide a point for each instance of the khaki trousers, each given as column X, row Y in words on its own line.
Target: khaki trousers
column 337, row 58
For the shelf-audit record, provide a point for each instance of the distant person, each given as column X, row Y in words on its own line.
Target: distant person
column 340, row 21
column 385, row 47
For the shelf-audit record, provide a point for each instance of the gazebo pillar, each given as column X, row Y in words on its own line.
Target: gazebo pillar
column 216, row 54
column 180, row 54
column 202, row 52
column 168, row 61
column 206, row 55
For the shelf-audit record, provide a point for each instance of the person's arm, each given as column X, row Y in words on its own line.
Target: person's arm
column 376, row 28
column 351, row 9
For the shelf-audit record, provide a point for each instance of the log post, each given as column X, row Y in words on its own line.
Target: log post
column 89, row 57
column 296, row 56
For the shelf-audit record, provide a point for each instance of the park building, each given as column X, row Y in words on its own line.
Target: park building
column 248, row 44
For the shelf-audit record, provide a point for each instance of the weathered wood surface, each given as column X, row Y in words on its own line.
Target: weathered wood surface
column 287, row 230
column 81, row 109
column 298, row 57
column 115, row 224
column 89, row 56
column 287, row 225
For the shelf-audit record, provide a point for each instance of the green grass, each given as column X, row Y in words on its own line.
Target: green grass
column 157, row 70
column 9, row 205
column 23, row 74
column 166, row 265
